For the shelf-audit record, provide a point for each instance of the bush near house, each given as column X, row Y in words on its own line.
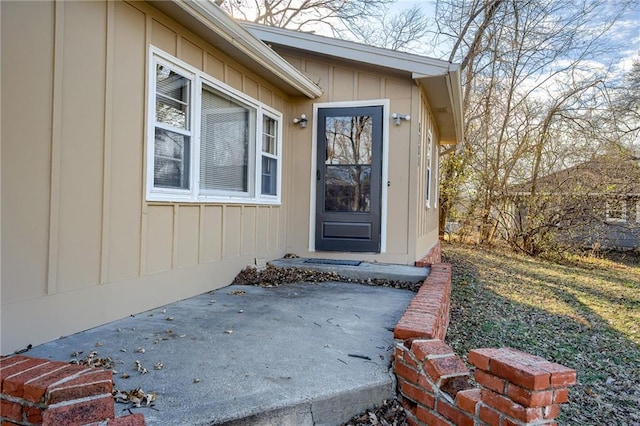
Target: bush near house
column 583, row 313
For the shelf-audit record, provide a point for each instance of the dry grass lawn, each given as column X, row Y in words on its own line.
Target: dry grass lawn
column 583, row 313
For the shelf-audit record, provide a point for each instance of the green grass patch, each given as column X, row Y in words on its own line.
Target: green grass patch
column 583, row 313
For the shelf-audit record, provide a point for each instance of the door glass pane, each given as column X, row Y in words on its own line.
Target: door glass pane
column 171, row 160
column 348, row 163
column 348, row 189
column 348, row 139
column 172, row 98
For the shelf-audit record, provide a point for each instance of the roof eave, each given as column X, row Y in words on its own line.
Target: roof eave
column 448, row 115
column 349, row 50
column 433, row 74
column 217, row 21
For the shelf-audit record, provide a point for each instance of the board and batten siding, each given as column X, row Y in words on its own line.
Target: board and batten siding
column 80, row 244
column 409, row 227
column 427, row 213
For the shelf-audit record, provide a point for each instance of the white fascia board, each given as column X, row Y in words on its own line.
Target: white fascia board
column 455, row 94
column 350, row 51
column 218, row 21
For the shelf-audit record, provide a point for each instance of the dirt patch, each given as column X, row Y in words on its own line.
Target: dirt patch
column 390, row 413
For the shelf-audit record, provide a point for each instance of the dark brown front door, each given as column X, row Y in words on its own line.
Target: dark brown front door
column 348, row 179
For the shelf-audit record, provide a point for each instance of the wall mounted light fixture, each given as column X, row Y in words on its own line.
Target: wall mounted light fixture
column 302, row 121
column 397, row 118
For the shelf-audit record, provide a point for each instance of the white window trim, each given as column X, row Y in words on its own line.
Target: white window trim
column 428, row 173
column 638, row 211
column 385, row 104
column 616, row 219
column 436, row 175
column 198, row 80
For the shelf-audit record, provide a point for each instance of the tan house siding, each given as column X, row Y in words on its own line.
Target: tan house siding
column 80, row 244
column 26, row 149
column 342, row 81
column 427, row 222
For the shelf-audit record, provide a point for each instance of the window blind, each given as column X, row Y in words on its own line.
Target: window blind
column 224, row 149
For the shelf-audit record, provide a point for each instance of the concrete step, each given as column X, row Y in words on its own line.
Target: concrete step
column 362, row 270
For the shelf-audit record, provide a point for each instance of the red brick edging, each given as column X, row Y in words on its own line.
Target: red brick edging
column 515, row 388
column 37, row 391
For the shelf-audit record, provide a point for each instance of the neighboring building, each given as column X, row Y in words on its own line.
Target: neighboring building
column 595, row 204
column 150, row 152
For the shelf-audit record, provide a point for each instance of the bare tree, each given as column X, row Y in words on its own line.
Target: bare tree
column 305, row 15
column 403, row 30
column 536, row 95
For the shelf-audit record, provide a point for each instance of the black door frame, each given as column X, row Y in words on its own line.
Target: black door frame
column 382, row 104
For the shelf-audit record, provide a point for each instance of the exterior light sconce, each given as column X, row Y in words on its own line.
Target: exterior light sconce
column 301, row 121
column 397, row 118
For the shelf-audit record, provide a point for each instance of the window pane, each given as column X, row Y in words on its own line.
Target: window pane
column 225, row 149
column 348, row 189
column 269, row 176
column 171, row 160
column 616, row 210
column 269, row 135
column 172, row 98
column 349, row 140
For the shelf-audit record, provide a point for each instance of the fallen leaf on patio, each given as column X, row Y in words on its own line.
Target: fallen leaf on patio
column 140, row 368
column 141, row 350
column 123, row 350
column 169, row 318
column 237, row 292
column 136, row 397
column 98, row 344
column 158, row 366
column 196, row 380
column 92, row 360
column 149, row 398
column 124, row 376
column 228, row 331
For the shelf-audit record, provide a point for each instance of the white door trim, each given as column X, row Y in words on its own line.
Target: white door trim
column 384, row 103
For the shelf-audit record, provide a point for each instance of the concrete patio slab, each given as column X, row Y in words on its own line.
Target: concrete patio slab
column 299, row 354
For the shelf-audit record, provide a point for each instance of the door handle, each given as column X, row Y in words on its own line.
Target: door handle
column 318, row 175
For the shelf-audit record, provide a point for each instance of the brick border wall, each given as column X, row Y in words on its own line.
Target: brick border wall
column 514, row 388
column 37, row 391
column 433, row 256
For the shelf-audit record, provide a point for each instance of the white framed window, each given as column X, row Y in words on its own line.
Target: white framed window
column 207, row 141
column 616, row 210
column 638, row 211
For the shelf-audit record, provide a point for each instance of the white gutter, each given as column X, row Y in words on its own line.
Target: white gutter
column 225, row 27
